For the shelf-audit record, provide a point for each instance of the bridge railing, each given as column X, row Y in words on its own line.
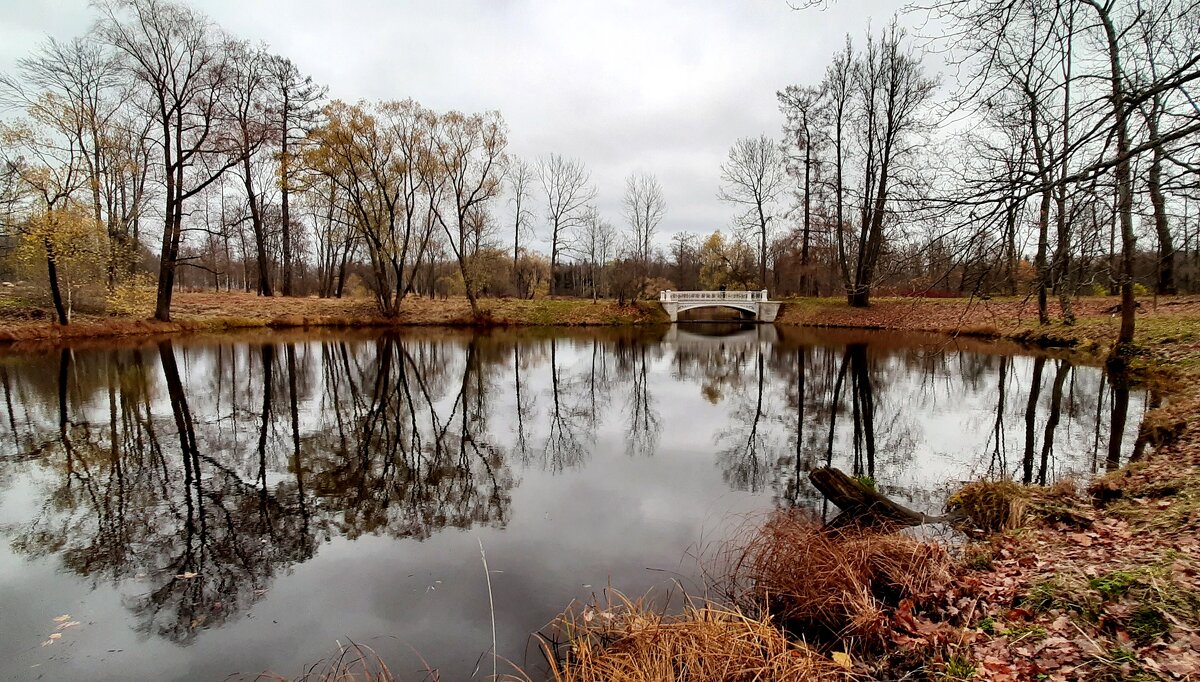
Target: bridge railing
column 712, row 296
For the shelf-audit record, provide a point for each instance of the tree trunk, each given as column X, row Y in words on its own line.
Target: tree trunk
column 862, row 506
column 1040, row 264
column 55, row 293
column 805, row 279
column 1166, row 245
column 256, row 222
column 283, row 197
column 1010, row 247
column 1123, row 174
column 166, row 263
column 553, row 260
column 762, row 254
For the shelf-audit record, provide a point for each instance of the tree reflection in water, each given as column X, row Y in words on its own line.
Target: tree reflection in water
column 193, row 474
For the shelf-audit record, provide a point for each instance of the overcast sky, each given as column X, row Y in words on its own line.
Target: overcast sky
column 664, row 87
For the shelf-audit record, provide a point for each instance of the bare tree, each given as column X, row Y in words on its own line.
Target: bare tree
column 177, row 57
column 753, row 177
column 471, row 153
column 892, row 90
column 75, row 86
column 245, row 106
column 379, row 161
column 593, row 242
column 802, row 107
column 50, row 172
column 520, row 183
column 685, row 252
column 568, row 192
column 837, row 91
column 296, row 111
column 644, row 207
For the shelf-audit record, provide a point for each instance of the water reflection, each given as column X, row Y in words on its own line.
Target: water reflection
column 190, row 476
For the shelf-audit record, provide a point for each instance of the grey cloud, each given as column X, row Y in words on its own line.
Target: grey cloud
column 664, row 87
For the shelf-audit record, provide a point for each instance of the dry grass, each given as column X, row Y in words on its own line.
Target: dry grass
column 999, row 506
column 624, row 641
column 212, row 312
column 352, row 663
column 833, row 586
column 991, row 506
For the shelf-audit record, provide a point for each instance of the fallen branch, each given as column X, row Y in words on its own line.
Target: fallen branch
column 862, row 506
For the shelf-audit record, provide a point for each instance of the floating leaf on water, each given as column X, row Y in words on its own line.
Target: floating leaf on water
column 68, row 624
column 65, row 616
column 56, row 635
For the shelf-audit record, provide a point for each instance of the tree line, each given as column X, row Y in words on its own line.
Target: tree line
column 1068, row 136
column 157, row 118
column 1060, row 161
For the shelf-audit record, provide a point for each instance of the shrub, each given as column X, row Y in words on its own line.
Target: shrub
column 135, row 297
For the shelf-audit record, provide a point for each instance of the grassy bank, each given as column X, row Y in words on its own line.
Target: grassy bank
column 214, row 312
column 27, row 319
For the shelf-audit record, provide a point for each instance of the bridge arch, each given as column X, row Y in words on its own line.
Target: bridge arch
column 753, row 303
column 745, row 310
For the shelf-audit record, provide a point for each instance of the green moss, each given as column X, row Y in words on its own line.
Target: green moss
column 1023, row 631
column 958, row 668
column 979, row 559
column 865, row 481
column 1115, row 584
column 1064, row 594
column 1148, row 624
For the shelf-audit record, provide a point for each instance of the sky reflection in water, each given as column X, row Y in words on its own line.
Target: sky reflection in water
column 334, row 487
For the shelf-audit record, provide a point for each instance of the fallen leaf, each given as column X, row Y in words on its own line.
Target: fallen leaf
column 65, row 616
column 843, row 659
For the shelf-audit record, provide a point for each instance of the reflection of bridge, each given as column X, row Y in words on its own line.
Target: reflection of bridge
column 746, row 336
column 753, row 303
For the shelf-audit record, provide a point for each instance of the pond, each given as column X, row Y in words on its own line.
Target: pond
column 207, row 506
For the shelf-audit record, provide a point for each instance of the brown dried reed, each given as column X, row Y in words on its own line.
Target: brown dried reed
column 352, row 663
column 625, row 641
column 831, row 586
column 991, row 506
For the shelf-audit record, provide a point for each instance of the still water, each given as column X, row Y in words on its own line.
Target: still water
column 206, row 507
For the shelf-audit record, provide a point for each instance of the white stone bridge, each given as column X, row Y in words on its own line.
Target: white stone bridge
column 753, row 303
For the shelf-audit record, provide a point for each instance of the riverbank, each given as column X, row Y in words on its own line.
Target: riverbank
column 195, row 312
column 1102, row 582
column 1092, row 580
column 200, row 312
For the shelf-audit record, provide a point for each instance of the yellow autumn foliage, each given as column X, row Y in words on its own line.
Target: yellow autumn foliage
column 76, row 243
